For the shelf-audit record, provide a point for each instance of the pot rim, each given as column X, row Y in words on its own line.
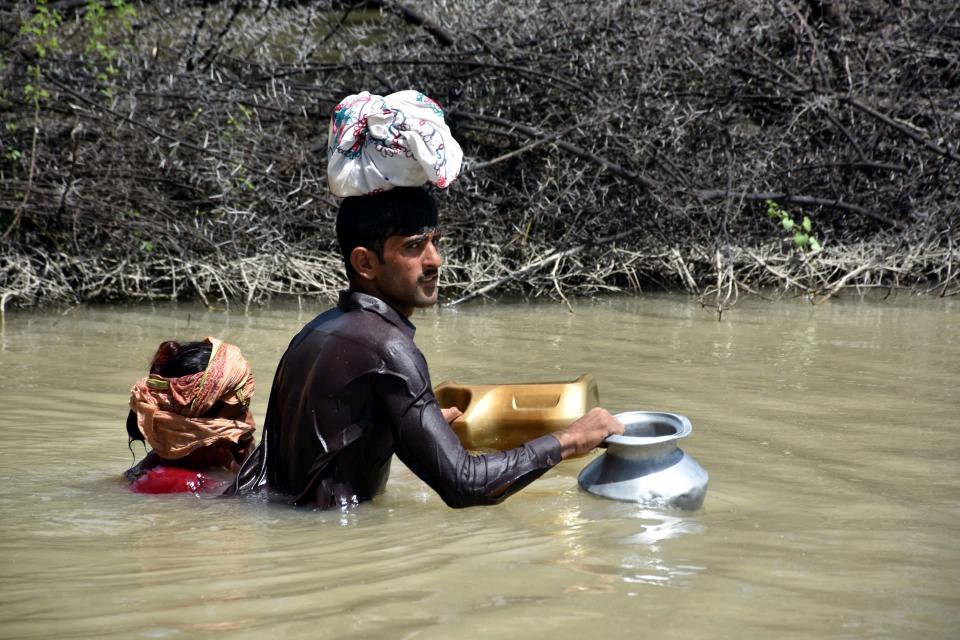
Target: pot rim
column 680, row 423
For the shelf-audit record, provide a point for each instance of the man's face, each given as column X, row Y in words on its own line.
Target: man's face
column 408, row 275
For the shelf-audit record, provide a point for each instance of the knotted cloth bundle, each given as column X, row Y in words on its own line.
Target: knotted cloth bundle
column 377, row 143
column 169, row 409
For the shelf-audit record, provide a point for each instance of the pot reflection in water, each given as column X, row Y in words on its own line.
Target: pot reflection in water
column 645, row 464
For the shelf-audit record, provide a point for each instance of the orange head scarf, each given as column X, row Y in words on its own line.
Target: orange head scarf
column 169, row 409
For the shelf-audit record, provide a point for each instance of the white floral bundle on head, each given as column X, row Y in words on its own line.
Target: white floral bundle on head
column 380, row 142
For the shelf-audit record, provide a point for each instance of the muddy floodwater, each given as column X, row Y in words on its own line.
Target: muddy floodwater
column 831, row 434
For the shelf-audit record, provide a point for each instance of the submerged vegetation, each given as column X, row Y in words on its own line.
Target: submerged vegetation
column 177, row 149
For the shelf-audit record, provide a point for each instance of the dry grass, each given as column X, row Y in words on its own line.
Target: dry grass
column 610, row 146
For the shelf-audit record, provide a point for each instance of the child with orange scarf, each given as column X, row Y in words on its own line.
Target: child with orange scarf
column 193, row 409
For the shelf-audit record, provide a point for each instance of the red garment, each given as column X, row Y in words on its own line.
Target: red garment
column 172, row 480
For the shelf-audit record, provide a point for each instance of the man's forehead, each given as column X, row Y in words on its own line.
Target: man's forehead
column 423, row 233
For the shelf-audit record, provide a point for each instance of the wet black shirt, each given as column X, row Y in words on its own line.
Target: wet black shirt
column 352, row 390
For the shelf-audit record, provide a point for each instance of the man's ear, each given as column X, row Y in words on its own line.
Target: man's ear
column 364, row 262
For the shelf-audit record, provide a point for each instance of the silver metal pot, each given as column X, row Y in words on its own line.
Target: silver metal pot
column 646, row 465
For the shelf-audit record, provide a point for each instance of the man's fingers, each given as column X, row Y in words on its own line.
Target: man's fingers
column 451, row 413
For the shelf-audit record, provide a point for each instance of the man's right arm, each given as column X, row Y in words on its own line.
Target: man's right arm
column 427, row 445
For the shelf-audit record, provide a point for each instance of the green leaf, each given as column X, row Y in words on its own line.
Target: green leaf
column 801, row 239
column 814, row 245
column 787, row 224
column 807, row 225
column 772, row 209
column 147, row 246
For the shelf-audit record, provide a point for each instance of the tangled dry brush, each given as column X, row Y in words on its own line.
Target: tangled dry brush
column 180, row 151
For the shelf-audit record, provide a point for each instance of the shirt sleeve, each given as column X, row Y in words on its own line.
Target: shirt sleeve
column 428, row 446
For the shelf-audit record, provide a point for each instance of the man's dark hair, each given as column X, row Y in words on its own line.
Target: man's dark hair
column 367, row 221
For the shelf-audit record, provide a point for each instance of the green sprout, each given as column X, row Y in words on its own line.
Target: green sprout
column 802, row 236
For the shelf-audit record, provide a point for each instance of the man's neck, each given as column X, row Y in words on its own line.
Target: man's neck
column 372, row 290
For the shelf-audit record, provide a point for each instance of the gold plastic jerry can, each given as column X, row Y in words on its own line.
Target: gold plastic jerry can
column 504, row 416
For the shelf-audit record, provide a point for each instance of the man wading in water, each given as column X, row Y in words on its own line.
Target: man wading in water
column 352, row 388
